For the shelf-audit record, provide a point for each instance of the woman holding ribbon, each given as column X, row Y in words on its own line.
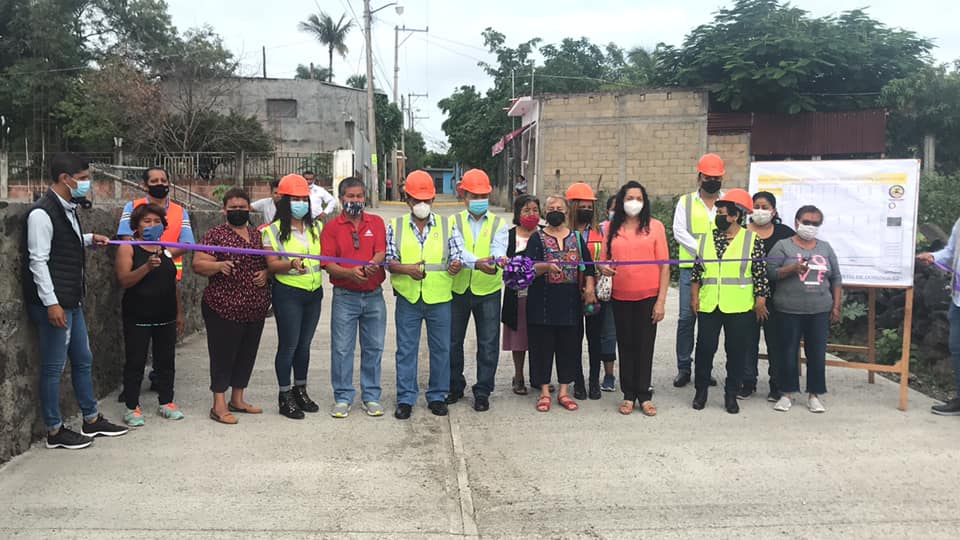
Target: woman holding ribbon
column 765, row 223
column 152, row 313
column 555, row 303
column 297, row 291
column 526, row 218
column 639, row 291
column 234, row 306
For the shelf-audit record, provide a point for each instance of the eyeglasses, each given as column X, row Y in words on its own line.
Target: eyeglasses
column 356, row 240
column 810, row 222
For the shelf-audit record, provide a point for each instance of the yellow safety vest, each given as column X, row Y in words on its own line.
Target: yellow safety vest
column 699, row 225
column 728, row 285
column 480, row 284
column 313, row 278
column 436, row 286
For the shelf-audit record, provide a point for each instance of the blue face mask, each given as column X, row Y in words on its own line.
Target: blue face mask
column 479, row 207
column 299, row 208
column 152, row 234
column 83, row 187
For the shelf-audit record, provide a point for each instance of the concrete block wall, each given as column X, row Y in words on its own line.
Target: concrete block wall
column 735, row 151
column 20, row 422
column 654, row 137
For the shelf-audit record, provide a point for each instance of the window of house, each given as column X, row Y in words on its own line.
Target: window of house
column 281, row 108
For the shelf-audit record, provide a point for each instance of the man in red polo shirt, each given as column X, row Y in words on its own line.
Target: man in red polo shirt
column 357, row 299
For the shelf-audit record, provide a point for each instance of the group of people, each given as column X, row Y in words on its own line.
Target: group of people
column 742, row 271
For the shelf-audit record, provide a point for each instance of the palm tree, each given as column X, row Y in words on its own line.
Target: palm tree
column 357, row 81
column 333, row 35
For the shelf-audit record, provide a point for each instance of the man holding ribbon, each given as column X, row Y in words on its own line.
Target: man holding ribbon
column 476, row 289
column 425, row 252
column 949, row 258
column 357, row 299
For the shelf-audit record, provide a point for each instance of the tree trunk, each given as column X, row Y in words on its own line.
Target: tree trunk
column 330, row 66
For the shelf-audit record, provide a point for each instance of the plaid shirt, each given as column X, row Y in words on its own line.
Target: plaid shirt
column 455, row 243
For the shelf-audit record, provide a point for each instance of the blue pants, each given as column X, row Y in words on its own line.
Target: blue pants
column 353, row 311
column 954, row 342
column 56, row 344
column 297, row 312
column 813, row 330
column 686, row 323
column 771, row 335
column 409, row 320
column 486, row 321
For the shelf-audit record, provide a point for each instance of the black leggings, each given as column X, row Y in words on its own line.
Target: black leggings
column 137, row 341
column 233, row 348
column 545, row 343
column 636, row 336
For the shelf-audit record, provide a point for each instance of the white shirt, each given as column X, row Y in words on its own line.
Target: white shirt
column 321, row 201
column 266, row 207
column 39, row 237
column 680, row 232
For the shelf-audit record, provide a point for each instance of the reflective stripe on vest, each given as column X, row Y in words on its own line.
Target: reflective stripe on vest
column 312, row 279
column 436, row 286
column 480, row 283
column 729, row 285
column 698, row 225
column 172, row 232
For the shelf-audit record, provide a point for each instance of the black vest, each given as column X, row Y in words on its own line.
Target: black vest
column 66, row 262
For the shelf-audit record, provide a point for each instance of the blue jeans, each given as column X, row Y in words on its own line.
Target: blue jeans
column 486, row 320
column 771, row 335
column 367, row 312
column 297, row 312
column 56, row 344
column 686, row 323
column 608, row 335
column 954, row 344
column 409, row 319
column 813, row 330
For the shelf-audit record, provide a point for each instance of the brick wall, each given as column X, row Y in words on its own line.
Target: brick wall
column 654, row 137
column 735, row 151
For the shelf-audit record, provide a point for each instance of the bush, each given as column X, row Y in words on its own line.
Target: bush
column 939, row 200
column 663, row 209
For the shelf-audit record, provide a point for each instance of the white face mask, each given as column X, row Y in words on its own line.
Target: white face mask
column 421, row 210
column 761, row 216
column 807, row 232
column 633, row 207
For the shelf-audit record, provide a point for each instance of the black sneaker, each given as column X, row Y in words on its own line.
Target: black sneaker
column 730, row 403
column 774, row 396
column 746, row 391
column 594, row 392
column 69, row 439
column 101, row 427
column 303, row 400
column 950, row 408
column 700, row 399
column 579, row 392
column 481, row 403
column 403, row 411
column 682, row 379
column 453, row 397
column 438, row 408
column 289, row 407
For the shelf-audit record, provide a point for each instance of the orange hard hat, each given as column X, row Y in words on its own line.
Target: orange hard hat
column 580, row 192
column 710, row 165
column 740, row 198
column 419, row 185
column 476, row 181
column 294, row 185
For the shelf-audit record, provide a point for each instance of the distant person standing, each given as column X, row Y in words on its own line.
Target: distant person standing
column 389, row 194
column 520, row 186
column 268, row 205
column 950, row 255
column 54, row 283
column 322, row 203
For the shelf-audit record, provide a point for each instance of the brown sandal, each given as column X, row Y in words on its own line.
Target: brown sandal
column 225, row 419
column 567, row 402
column 543, row 404
column 648, row 409
column 626, row 407
column 249, row 409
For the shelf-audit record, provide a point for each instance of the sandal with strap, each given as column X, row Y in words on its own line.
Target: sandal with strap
column 648, row 409
column 227, row 418
column 626, row 407
column 543, row 404
column 567, row 402
column 519, row 388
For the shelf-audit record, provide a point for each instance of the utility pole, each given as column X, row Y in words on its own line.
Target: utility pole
column 373, row 184
column 264, row 51
column 396, row 54
column 410, row 111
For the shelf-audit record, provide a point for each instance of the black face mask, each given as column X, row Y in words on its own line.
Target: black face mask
column 158, row 191
column 238, row 218
column 584, row 215
column 711, row 186
column 722, row 222
column 556, row 218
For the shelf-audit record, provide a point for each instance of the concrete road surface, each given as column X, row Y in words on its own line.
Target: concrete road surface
column 862, row 470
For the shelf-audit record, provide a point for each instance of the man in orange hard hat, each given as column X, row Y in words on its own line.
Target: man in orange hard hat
column 693, row 223
column 424, row 251
column 729, row 296
column 476, row 289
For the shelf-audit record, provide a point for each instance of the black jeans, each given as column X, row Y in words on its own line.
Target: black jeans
column 232, row 347
column 737, row 329
column 636, row 336
column 137, row 341
column 592, row 328
column 547, row 342
column 771, row 336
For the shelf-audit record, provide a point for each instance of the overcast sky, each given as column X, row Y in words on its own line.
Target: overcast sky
column 438, row 62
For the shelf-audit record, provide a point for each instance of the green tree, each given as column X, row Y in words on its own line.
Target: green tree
column 357, row 81
column 333, row 35
column 320, row 74
column 415, row 148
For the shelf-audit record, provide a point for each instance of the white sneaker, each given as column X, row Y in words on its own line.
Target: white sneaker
column 784, row 404
column 815, row 405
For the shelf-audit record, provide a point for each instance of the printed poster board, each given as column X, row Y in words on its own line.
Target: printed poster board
column 869, row 206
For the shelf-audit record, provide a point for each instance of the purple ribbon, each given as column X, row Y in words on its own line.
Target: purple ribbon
column 956, row 282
